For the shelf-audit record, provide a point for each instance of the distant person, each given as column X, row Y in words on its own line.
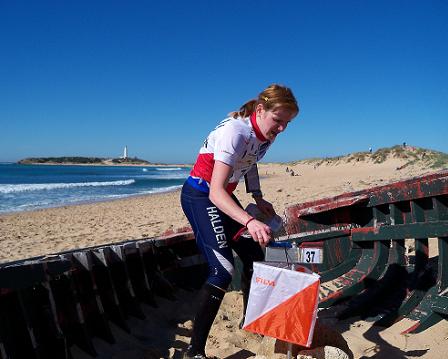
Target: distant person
column 404, row 144
column 230, row 152
column 370, row 149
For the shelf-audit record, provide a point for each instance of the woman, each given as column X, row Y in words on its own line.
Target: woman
column 230, row 152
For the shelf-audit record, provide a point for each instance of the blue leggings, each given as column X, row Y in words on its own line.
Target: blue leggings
column 214, row 231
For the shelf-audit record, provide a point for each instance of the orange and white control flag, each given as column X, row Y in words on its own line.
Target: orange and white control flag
column 283, row 302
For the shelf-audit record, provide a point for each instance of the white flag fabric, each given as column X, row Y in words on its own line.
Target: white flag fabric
column 283, row 302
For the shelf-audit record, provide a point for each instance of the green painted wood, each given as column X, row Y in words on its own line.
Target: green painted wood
column 419, row 281
column 432, row 308
column 414, row 230
column 342, row 268
column 423, row 324
column 442, row 280
column 440, row 305
column 370, row 267
column 418, row 286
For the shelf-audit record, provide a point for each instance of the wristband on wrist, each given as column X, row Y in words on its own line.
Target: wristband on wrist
column 251, row 219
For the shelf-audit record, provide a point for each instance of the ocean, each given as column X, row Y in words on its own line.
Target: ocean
column 30, row 187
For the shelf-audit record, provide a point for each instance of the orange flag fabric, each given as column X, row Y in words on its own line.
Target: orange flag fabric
column 283, row 302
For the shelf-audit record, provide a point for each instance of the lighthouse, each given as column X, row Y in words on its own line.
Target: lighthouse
column 125, row 152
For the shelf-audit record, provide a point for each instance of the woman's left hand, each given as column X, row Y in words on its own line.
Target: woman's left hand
column 265, row 207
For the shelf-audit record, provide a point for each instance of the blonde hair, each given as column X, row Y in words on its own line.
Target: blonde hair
column 272, row 97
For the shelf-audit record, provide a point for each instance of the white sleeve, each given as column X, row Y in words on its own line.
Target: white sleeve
column 229, row 145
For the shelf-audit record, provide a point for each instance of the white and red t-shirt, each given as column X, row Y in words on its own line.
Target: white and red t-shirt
column 236, row 142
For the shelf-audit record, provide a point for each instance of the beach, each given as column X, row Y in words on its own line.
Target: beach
column 42, row 232
column 35, row 233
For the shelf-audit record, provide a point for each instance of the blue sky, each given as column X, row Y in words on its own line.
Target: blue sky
column 86, row 78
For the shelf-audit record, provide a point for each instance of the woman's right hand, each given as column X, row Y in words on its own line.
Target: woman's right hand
column 259, row 231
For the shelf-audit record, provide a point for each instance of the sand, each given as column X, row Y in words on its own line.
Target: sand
column 36, row 233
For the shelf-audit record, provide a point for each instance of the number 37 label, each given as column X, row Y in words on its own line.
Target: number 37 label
column 310, row 255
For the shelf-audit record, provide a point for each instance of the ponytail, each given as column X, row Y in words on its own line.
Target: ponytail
column 246, row 110
column 272, row 97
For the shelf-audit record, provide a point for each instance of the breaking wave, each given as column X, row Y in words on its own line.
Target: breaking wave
column 14, row 188
column 169, row 169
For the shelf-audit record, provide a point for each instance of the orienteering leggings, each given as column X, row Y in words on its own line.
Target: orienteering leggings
column 214, row 231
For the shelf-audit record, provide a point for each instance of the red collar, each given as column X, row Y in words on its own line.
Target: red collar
column 253, row 121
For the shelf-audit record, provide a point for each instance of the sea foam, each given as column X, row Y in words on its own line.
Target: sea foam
column 168, row 169
column 14, row 188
